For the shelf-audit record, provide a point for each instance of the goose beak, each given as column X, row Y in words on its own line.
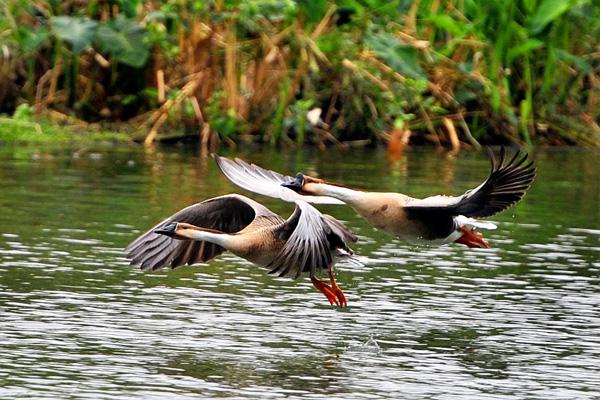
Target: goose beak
column 167, row 230
column 296, row 184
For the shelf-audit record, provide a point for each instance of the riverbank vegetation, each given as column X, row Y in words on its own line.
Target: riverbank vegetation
column 456, row 72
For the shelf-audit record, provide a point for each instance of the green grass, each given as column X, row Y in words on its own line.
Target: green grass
column 15, row 131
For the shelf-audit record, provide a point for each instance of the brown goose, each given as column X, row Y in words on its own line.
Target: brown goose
column 307, row 242
column 433, row 220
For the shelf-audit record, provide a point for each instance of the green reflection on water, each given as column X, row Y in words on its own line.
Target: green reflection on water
column 67, row 213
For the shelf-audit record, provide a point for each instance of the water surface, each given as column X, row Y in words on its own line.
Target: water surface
column 519, row 320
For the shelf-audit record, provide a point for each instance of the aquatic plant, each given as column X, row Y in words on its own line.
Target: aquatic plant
column 447, row 72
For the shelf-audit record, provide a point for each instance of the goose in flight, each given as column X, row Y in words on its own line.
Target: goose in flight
column 306, row 243
column 433, row 220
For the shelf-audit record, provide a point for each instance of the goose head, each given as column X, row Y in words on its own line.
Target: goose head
column 176, row 230
column 295, row 184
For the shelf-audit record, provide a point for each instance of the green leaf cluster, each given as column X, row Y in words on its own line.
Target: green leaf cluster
column 512, row 68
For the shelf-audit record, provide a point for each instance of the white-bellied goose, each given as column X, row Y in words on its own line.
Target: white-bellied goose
column 432, row 220
column 306, row 242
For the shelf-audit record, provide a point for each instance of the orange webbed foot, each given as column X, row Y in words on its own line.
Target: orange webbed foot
column 472, row 239
column 338, row 291
column 340, row 296
column 326, row 290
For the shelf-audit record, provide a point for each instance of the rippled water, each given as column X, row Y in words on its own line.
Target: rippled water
column 519, row 320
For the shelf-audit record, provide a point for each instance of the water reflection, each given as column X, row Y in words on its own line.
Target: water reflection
column 518, row 320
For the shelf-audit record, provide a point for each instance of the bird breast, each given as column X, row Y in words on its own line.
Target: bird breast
column 385, row 211
column 259, row 246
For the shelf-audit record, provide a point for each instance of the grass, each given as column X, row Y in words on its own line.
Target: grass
column 453, row 73
column 40, row 132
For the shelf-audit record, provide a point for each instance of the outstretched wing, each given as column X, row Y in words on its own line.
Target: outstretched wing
column 311, row 238
column 266, row 182
column 507, row 183
column 229, row 213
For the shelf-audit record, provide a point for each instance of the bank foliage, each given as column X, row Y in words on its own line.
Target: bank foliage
column 479, row 71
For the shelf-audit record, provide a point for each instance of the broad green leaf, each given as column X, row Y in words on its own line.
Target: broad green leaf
column 32, row 39
column 313, row 9
column 124, row 40
column 270, row 9
column 449, row 24
column 548, row 11
column 331, row 42
column 579, row 63
column 529, row 5
column 465, row 95
column 159, row 16
column 77, row 31
column 399, row 56
column 524, row 48
column 129, row 7
column 389, row 8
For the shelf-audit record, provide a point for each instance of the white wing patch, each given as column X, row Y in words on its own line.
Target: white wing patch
column 461, row 221
column 266, row 182
column 307, row 248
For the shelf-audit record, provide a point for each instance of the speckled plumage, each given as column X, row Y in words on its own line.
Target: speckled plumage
column 304, row 243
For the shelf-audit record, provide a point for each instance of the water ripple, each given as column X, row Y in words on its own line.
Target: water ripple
column 519, row 320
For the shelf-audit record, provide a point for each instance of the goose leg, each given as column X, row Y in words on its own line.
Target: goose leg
column 337, row 290
column 325, row 289
column 471, row 238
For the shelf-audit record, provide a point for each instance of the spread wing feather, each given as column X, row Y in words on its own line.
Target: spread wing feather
column 311, row 238
column 229, row 213
column 266, row 182
column 506, row 184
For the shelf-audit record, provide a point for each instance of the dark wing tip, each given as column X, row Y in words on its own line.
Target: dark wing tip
column 228, row 213
column 507, row 183
column 492, row 159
